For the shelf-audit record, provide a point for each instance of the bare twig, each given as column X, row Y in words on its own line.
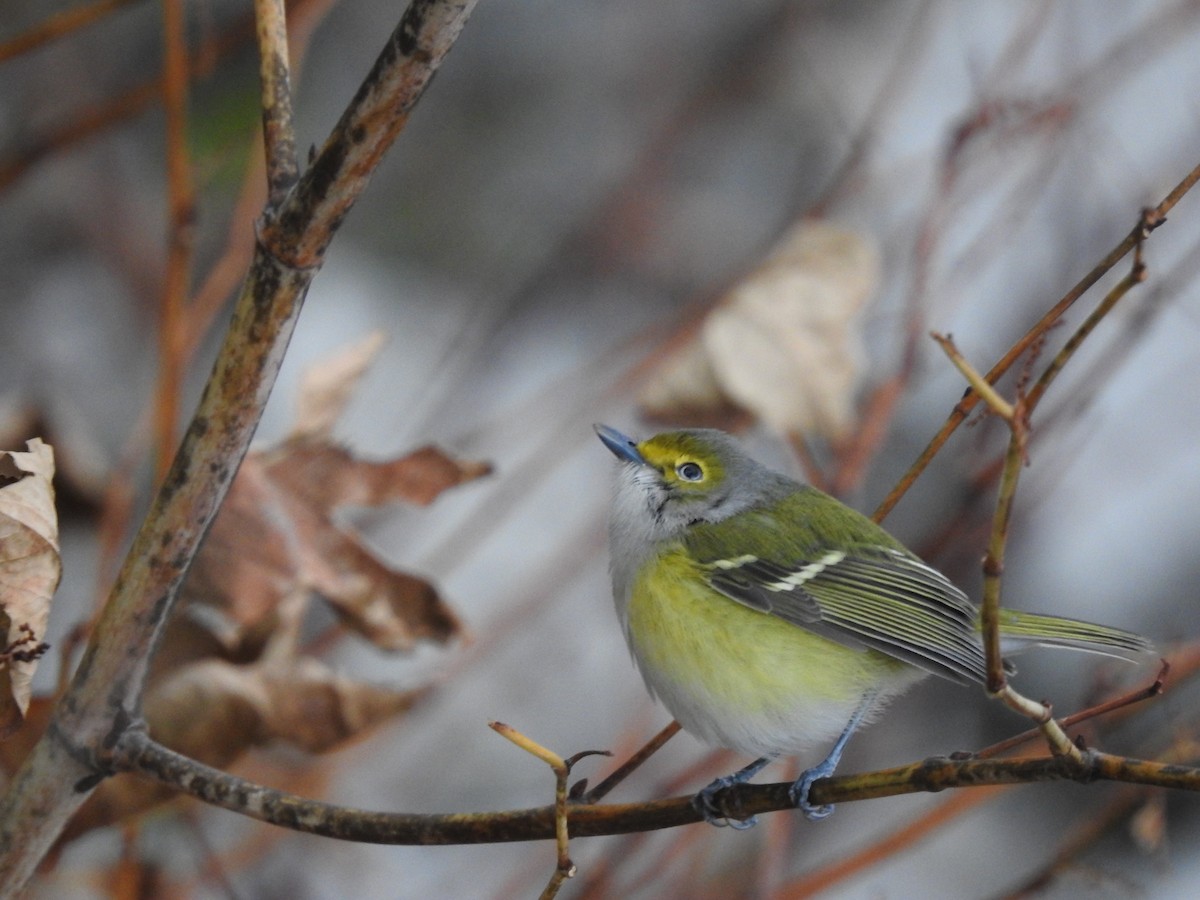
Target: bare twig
column 998, row 404
column 562, row 769
column 1137, row 274
column 628, row 767
column 57, row 26
column 963, row 409
column 1154, row 689
column 181, row 202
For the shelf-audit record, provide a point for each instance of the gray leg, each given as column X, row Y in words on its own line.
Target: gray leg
column 800, row 788
column 703, row 801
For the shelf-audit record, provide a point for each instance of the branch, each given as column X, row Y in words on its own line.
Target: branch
column 279, row 138
column 136, row 752
column 106, row 692
column 1148, row 220
column 54, row 27
column 181, row 234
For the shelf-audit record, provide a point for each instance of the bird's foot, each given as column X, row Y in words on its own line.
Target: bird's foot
column 798, row 792
column 705, row 803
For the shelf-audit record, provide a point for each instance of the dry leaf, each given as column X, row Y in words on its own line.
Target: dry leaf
column 29, row 571
column 685, row 389
column 214, row 711
column 276, row 535
column 325, row 389
column 779, row 351
column 783, row 344
column 1148, row 825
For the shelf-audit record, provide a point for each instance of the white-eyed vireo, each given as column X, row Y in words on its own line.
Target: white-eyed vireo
column 769, row 617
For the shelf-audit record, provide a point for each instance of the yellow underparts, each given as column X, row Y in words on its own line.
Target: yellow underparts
column 739, row 677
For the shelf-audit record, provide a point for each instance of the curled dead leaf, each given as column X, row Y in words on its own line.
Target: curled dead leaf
column 30, row 568
column 783, row 344
column 277, row 536
column 327, row 387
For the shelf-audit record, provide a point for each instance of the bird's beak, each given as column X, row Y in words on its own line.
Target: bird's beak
column 622, row 447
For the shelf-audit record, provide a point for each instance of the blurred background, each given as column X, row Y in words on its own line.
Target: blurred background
column 581, row 186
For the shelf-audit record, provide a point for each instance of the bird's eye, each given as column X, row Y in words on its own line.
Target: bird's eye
column 689, row 471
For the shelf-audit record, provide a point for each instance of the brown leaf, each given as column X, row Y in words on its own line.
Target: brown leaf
column 391, row 609
column 214, row 711
column 328, row 476
column 782, row 344
column 327, row 387
column 277, row 536
column 30, row 568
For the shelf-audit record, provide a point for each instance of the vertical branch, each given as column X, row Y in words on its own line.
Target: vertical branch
column 1017, row 416
column 279, row 137
column 105, row 696
column 993, row 560
column 180, row 232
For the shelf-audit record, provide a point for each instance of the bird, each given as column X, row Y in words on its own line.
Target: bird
column 770, row 618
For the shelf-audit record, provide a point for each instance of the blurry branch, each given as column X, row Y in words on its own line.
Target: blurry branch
column 1087, row 831
column 814, row 882
column 181, row 232
column 85, row 123
column 214, row 290
column 58, row 26
column 136, row 752
column 884, row 104
column 1148, row 221
column 105, row 696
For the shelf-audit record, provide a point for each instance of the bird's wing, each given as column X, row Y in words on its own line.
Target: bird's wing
column 883, row 598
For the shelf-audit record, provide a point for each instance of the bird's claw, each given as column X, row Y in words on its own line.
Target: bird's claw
column 704, row 803
column 798, row 793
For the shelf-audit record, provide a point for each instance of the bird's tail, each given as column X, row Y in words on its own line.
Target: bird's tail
column 1021, row 630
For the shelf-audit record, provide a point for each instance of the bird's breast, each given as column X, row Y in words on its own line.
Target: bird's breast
column 736, row 677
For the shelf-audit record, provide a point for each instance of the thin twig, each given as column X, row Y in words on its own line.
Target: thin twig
column 964, row 407
column 279, row 138
column 628, row 767
column 987, row 393
column 57, row 26
column 1154, row 689
column 565, row 868
column 1136, row 275
column 181, row 202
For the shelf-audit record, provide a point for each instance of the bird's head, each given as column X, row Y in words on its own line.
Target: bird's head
column 681, row 478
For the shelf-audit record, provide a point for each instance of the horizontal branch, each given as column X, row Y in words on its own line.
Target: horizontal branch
column 135, row 752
